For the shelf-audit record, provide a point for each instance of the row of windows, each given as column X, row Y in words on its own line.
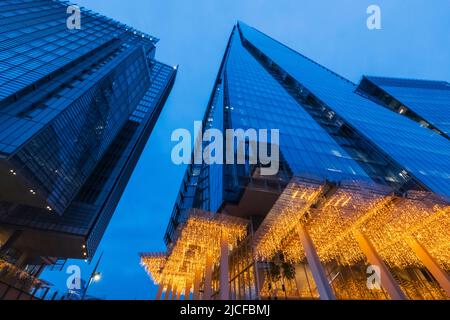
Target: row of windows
column 40, row 43
column 38, row 113
column 304, row 144
column 77, row 139
column 413, row 147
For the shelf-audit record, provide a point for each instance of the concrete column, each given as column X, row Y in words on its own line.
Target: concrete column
column 319, row 275
column 187, row 291
column 224, row 269
column 196, row 293
column 387, row 280
column 174, row 292
column 428, row 261
column 207, row 291
column 160, row 292
column 168, row 290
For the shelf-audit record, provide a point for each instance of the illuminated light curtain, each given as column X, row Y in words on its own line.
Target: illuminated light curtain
column 200, row 235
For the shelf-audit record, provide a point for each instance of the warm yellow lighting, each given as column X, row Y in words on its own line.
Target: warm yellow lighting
column 421, row 216
column 332, row 215
column 279, row 227
column 200, row 236
column 331, row 220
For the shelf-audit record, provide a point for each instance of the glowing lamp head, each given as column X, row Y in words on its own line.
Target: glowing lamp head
column 97, row 277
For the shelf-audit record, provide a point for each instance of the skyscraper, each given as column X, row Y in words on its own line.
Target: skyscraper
column 423, row 101
column 77, row 105
column 360, row 187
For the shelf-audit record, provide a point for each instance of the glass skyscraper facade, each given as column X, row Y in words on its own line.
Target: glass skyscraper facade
column 328, row 130
column 76, row 109
column 423, row 101
column 360, row 183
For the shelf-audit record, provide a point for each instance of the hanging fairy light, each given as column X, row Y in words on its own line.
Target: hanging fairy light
column 199, row 237
column 331, row 226
column 331, row 216
column 387, row 220
column 419, row 216
column 284, row 219
column 154, row 263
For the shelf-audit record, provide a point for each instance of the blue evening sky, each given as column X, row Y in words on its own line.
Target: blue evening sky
column 414, row 42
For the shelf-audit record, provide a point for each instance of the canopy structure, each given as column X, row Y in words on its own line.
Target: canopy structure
column 154, row 264
column 199, row 239
column 334, row 214
column 339, row 227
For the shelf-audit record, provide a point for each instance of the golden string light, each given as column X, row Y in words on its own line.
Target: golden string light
column 331, row 226
column 331, row 214
column 8, row 267
column 200, row 236
column 419, row 216
column 281, row 223
column 154, row 264
column 331, row 220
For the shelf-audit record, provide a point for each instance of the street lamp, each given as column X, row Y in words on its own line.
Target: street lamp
column 95, row 277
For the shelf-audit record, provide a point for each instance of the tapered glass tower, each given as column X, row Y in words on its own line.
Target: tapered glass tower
column 359, row 185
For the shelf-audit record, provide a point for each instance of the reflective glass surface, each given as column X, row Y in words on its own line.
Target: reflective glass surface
column 429, row 99
column 423, row 153
column 76, row 109
column 60, row 157
column 35, row 40
column 258, row 101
